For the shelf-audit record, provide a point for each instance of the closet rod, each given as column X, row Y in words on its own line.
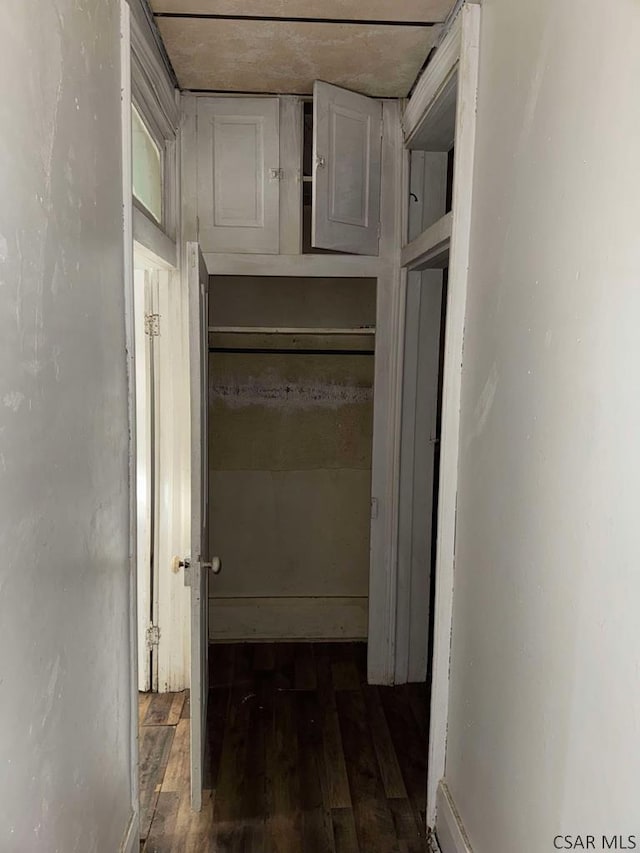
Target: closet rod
column 289, row 330
column 289, row 351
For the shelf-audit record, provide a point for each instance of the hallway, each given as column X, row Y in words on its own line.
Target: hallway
column 303, row 756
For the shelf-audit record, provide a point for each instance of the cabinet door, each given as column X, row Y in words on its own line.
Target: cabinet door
column 238, row 175
column 347, row 147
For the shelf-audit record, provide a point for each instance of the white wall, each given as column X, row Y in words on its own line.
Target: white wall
column 64, row 518
column 544, row 732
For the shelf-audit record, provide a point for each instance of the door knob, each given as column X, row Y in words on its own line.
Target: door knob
column 215, row 565
column 177, row 564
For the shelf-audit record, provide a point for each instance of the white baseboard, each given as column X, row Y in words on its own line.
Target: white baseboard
column 131, row 840
column 288, row 618
column 450, row 832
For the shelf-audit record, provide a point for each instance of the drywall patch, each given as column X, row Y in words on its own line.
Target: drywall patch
column 288, row 395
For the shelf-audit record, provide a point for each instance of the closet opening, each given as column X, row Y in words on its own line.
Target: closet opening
column 291, row 377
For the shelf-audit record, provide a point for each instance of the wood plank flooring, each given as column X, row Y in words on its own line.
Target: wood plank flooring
column 303, row 757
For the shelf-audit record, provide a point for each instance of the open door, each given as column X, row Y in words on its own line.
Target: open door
column 198, row 569
column 347, row 154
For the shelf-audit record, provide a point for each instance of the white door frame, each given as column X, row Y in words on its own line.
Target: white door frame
column 161, row 373
column 144, row 472
column 131, row 841
column 385, row 268
column 152, row 88
column 448, row 87
column 200, row 563
column 150, row 242
column 171, row 460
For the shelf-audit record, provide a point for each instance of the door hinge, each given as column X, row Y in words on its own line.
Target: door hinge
column 152, row 324
column 379, row 230
column 381, row 128
column 374, row 508
column 197, row 228
column 153, row 636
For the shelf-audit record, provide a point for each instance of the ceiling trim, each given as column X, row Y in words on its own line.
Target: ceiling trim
column 251, row 93
column 241, row 93
column 144, row 17
column 298, row 20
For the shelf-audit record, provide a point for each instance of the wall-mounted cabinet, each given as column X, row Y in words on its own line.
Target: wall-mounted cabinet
column 347, row 143
column 431, row 123
column 250, row 173
column 238, row 175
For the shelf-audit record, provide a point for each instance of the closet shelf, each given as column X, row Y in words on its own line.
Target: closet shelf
column 430, row 250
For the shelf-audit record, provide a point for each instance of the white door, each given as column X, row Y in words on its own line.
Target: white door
column 347, row 153
column 419, row 440
column 198, row 570
column 238, row 175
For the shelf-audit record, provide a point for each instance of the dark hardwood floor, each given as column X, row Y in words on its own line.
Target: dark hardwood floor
column 304, row 757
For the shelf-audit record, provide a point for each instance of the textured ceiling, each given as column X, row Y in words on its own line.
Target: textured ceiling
column 376, row 47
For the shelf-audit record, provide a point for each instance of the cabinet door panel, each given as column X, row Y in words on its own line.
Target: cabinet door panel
column 238, row 175
column 347, row 158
